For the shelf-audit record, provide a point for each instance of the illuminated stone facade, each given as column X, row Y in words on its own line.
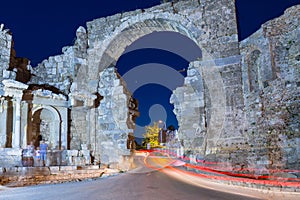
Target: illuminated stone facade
column 239, row 103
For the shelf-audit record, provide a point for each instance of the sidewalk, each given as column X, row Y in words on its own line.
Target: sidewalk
column 23, row 176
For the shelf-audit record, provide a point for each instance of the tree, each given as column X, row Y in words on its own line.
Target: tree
column 151, row 135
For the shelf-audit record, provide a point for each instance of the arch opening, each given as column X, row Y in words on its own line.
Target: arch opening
column 46, row 125
column 153, row 66
column 126, row 35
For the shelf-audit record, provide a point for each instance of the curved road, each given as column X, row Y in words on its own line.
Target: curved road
column 141, row 184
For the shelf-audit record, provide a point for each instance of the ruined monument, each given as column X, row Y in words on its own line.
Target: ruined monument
column 239, row 104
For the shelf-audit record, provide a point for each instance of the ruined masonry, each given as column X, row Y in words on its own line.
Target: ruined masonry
column 239, row 104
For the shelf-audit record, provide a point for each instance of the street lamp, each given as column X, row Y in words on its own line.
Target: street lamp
column 161, row 131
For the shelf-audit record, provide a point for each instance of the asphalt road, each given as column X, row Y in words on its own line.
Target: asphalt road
column 141, row 184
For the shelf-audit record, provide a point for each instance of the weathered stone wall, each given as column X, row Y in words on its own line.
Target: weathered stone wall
column 209, row 106
column 113, row 114
column 55, row 72
column 218, row 27
column 273, row 128
column 60, row 71
column 11, row 66
column 246, row 118
column 5, row 54
column 10, row 157
column 188, row 104
column 271, row 76
column 78, row 128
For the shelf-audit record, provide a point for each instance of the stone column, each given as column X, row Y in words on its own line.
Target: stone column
column 3, row 124
column 16, row 138
column 64, row 128
column 56, row 139
column 25, row 139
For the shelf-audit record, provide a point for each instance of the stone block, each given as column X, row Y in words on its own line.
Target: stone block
column 11, row 170
column 67, row 168
column 54, row 169
column 84, row 147
column 92, row 167
column 79, row 161
column 72, row 153
column 13, row 152
column 85, row 152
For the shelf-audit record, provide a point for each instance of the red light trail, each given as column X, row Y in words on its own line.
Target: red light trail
column 215, row 171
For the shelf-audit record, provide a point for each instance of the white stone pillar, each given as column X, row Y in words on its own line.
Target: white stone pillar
column 16, row 138
column 56, row 134
column 3, row 122
column 25, row 139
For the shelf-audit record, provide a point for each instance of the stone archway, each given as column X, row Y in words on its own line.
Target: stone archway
column 110, row 145
column 108, row 38
column 46, row 124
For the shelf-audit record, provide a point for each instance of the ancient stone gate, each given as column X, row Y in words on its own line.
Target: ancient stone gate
column 208, row 24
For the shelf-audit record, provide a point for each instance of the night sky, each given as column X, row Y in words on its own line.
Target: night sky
column 41, row 28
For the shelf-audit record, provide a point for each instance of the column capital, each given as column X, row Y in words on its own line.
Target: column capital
column 14, row 88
